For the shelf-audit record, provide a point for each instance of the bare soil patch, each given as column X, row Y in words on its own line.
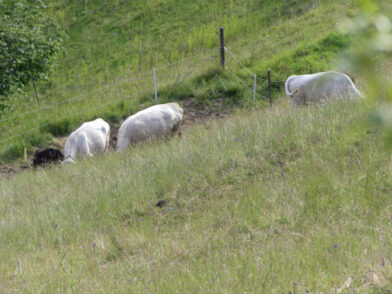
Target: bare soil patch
column 194, row 113
column 8, row 170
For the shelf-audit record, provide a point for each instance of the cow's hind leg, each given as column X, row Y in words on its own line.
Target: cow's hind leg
column 83, row 148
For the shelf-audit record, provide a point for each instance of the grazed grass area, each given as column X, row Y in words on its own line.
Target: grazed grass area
column 267, row 201
column 115, row 40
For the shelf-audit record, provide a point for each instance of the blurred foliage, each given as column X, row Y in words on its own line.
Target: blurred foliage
column 29, row 42
column 372, row 30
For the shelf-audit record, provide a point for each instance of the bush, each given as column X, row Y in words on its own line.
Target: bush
column 29, row 42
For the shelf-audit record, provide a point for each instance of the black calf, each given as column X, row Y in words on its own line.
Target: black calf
column 46, row 156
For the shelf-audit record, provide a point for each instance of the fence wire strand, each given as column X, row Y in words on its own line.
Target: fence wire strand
column 272, row 81
column 248, row 71
column 239, row 62
column 187, row 59
column 243, row 83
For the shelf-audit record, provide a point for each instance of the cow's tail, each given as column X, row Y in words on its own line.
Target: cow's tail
column 357, row 93
column 286, row 86
column 353, row 91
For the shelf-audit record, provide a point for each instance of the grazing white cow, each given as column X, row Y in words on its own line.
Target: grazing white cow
column 318, row 87
column 157, row 121
column 89, row 139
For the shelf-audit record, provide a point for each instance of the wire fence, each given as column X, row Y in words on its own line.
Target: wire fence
column 144, row 83
column 240, row 13
column 68, row 116
column 171, row 74
column 106, row 87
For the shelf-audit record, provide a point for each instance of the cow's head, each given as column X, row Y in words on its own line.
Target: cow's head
column 295, row 98
column 68, row 160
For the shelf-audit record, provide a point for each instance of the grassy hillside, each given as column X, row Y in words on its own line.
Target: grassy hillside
column 279, row 201
column 113, row 45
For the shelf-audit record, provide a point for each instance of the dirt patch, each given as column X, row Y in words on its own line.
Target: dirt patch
column 113, row 136
column 194, row 113
column 8, row 170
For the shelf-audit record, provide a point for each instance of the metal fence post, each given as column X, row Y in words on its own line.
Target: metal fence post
column 254, row 87
column 269, row 87
column 155, row 84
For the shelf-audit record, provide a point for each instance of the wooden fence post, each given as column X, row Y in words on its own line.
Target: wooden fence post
column 222, row 46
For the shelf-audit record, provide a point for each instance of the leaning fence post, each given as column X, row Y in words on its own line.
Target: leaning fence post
column 222, row 46
column 254, row 87
column 25, row 155
column 155, row 84
column 269, row 87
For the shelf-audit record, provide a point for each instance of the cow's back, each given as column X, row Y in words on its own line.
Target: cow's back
column 332, row 85
column 89, row 139
column 314, row 88
column 154, row 122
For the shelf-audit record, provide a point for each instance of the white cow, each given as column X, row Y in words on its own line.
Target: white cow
column 89, row 139
column 157, row 121
column 318, row 87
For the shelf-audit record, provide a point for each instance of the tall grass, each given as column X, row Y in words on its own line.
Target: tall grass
column 284, row 200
